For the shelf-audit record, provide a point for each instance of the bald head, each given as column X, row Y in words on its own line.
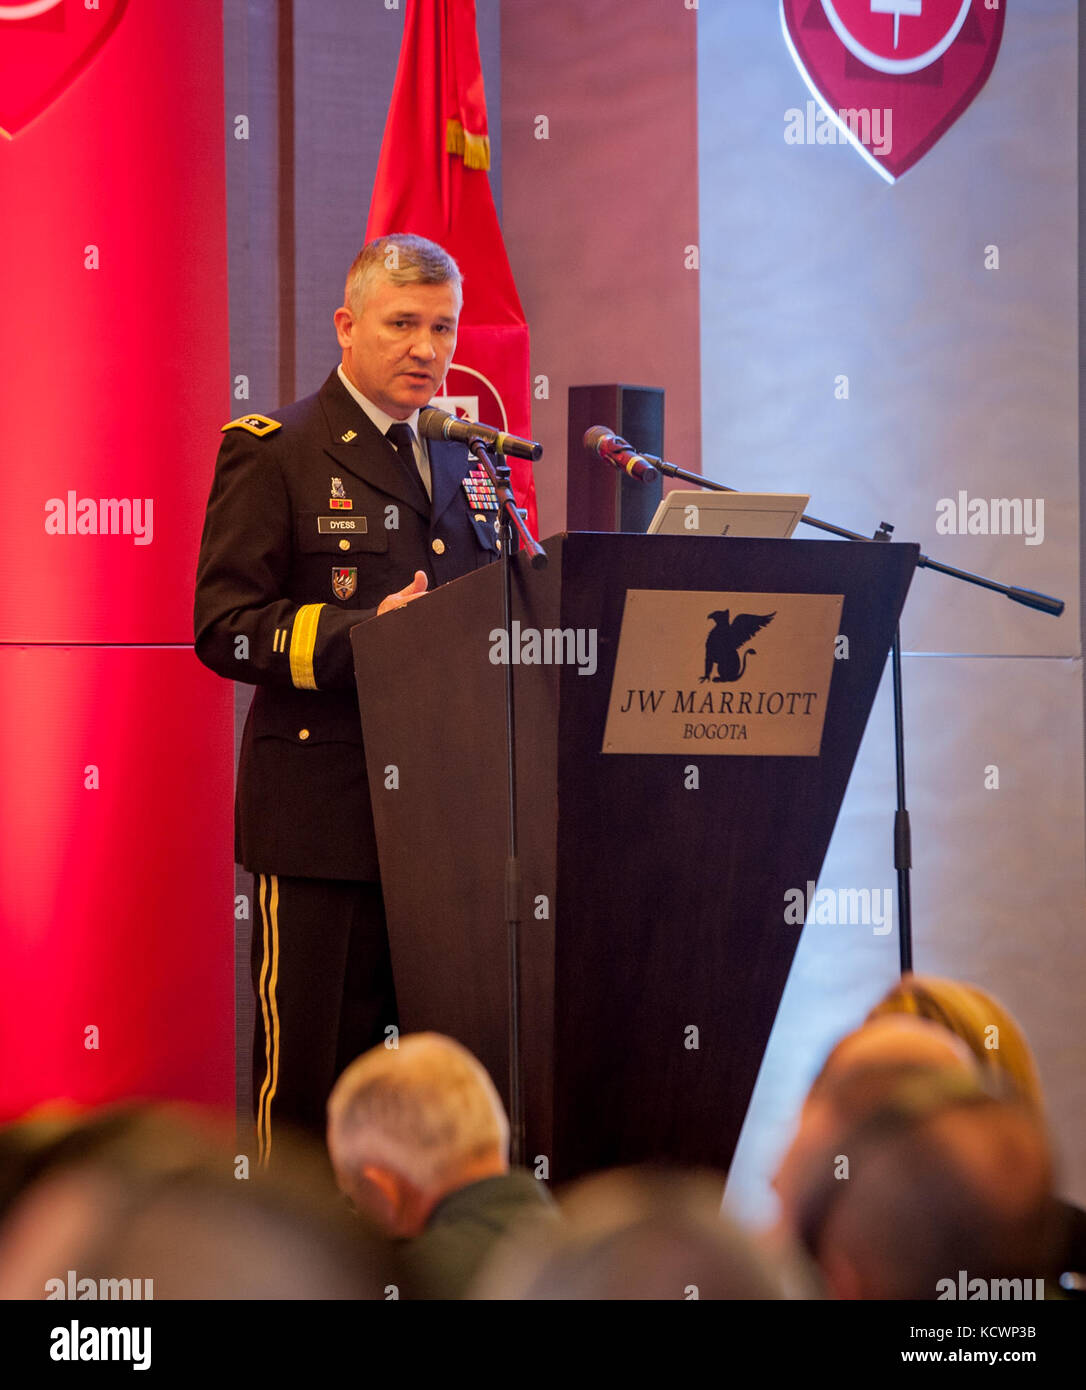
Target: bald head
column 896, row 1041
column 862, row 1070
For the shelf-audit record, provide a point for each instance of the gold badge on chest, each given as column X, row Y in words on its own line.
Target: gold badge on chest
column 339, row 501
column 344, row 582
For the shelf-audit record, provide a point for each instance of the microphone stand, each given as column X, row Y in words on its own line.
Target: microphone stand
column 512, row 529
column 1044, row 603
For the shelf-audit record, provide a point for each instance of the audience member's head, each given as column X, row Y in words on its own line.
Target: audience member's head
column 989, row 1031
column 915, row 1174
column 633, row 1234
column 159, row 1194
column 49, row 1134
column 409, row 1124
column 884, row 1051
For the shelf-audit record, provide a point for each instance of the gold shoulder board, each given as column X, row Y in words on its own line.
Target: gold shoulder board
column 259, row 425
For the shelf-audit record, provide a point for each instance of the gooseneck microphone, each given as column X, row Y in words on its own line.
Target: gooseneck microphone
column 439, row 424
column 620, row 452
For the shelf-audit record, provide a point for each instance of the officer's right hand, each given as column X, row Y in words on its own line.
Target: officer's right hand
column 414, row 590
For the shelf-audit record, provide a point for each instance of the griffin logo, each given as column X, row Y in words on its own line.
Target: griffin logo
column 724, row 640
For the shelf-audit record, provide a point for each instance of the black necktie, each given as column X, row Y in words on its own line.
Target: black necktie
column 400, row 437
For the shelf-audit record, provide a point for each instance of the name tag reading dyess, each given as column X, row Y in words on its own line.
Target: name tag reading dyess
column 328, row 524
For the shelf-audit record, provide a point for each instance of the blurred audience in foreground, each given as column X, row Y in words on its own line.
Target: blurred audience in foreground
column 634, row 1234
column 884, row 1051
column 920, row 1168
column 156, row 1201
column 1001, row 1052
column 419, row 1140
column 905, row 1169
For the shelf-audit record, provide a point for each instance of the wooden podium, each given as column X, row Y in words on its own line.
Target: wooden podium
column 655, row 946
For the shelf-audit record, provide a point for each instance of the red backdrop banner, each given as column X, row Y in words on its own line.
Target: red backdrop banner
column 113, row 332
column 115, row 874
column 116, row 793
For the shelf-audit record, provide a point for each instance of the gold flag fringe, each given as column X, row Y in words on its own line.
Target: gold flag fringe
column 473, row 149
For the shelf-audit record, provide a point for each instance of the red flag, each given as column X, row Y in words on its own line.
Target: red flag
column 432, row 181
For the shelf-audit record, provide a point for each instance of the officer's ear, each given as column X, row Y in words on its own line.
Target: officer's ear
column 344, row 322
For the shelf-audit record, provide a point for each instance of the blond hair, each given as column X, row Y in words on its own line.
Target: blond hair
column 990, row 1031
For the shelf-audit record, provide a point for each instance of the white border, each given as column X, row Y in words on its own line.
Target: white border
column 880, row 64
column 30, row 10
column 841, row 125
column 459, row 367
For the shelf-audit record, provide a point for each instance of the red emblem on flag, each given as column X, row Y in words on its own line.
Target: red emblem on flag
column 44, row 46
column 471, row 394
column 894, row 75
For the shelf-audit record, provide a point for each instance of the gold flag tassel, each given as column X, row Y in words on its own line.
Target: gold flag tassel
column 473, row 149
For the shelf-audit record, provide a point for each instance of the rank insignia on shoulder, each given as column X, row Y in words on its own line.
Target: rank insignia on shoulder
column 260, row 425
column 479, row 491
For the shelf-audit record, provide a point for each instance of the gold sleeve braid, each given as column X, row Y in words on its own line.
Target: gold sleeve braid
column 303, row 641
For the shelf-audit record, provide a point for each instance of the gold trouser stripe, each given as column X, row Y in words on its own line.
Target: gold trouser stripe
column 267, row 1022
column 303, row 640
column 269, row 981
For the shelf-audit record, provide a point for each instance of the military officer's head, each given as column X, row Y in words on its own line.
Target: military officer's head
column 397, row 326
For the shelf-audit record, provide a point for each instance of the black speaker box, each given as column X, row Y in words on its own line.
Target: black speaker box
column 599, row 496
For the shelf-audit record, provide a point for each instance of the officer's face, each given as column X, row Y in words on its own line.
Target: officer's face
column 397, row 350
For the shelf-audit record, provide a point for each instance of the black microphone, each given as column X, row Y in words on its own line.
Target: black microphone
column 439, row 424
column 612, row 447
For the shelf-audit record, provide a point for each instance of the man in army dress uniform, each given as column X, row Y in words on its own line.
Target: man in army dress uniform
column 327, row 515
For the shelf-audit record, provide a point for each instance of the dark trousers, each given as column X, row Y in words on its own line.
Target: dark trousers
column 324, row 994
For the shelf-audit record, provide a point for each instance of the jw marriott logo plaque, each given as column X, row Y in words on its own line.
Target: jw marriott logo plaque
column 722, row 673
